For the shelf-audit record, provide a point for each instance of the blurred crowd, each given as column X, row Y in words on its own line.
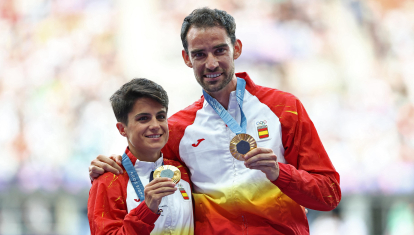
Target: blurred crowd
column 57, row 62
column 351, row 62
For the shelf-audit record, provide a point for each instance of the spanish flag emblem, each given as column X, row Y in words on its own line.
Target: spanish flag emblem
column 184, row 193
column 263, row 132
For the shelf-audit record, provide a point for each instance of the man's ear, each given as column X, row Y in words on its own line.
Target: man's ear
column 121, row 128
column 237, row 49
column 186, row 58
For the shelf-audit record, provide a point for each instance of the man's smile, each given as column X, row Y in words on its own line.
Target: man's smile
column 214, row 75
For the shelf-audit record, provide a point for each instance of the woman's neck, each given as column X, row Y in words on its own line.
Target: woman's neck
column 146, row 157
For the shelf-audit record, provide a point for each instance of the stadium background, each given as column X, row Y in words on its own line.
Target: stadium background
column 351, row 62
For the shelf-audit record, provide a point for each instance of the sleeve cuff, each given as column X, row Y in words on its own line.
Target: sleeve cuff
column 144, row 213
column 285, row 176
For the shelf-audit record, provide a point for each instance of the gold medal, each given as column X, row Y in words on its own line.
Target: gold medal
column 168, row 171
column 242, row 144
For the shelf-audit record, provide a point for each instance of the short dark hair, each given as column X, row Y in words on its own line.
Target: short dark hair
column 123, row 100
column 206, row 17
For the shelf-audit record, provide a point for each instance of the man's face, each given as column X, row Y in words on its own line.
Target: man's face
column 211, row 55
column 147, row 129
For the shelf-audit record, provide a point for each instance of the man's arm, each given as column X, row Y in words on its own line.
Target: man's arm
column 103, row 164
column 312, row 190
column 309, row 177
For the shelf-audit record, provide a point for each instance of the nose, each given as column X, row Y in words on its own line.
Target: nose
column 154, row 125
column 212, row 62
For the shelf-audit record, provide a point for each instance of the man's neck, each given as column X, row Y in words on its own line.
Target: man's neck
column 223, row 95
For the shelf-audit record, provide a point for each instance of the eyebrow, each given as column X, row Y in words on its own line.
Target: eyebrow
column 217, row 46
column 221, row 45
column 144, row 114
column 196, row 51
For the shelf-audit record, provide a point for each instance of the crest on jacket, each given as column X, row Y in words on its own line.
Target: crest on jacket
column 262, row 129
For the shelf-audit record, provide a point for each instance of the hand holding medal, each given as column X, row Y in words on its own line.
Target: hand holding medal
column 156, row 189
column 265, row 160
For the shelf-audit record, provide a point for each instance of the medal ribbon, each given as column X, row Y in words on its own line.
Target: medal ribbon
column 133, row 176
column 224, row 115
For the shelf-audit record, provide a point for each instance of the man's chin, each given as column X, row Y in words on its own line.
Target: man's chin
column 213, row 87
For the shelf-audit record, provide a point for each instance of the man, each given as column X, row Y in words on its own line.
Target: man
column 290, row 168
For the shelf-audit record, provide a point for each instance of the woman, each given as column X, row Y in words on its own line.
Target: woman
column 146, row 204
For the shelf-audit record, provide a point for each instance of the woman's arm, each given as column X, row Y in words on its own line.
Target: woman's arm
column 107, row 210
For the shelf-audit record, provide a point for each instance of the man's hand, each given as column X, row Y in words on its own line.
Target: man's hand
column 265, row 160
column 102, row 164
column 156, row 190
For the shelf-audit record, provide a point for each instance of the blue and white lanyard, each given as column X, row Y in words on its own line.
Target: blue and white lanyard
column 224, row 115
column 133, row 176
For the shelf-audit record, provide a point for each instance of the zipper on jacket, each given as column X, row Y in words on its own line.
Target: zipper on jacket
column 244, row 225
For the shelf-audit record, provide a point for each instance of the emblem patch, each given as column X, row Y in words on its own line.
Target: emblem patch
column 183, row 192
column 262, row 129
